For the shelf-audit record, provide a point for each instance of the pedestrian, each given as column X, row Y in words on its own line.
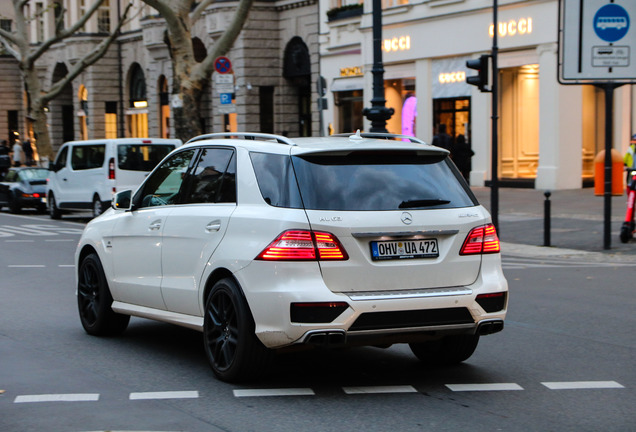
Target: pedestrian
column 5, row 159
column 28, row 152
column 17, row 153
column 630, row 158
column 462, row 155
column 442, row 139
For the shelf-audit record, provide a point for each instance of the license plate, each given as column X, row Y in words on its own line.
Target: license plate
column 404, row 249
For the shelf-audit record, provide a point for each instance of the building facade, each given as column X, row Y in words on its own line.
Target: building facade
column 127, row 93
column 549, row 134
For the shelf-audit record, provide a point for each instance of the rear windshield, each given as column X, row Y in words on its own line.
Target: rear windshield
column 370, row 181
column 141, row 157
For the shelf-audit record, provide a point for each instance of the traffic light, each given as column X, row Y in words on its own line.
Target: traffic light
column 481, row 66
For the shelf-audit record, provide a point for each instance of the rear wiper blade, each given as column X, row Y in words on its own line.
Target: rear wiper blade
column 422, row 203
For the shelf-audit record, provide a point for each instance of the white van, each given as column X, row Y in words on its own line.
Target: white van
column 86, row 174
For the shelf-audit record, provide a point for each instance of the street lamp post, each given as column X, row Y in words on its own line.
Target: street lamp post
column 378, row 114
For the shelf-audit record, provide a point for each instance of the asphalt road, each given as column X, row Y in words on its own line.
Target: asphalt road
column 564, row 362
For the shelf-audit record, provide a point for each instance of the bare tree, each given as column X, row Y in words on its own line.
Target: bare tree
column 189, row 76
column 19, row 44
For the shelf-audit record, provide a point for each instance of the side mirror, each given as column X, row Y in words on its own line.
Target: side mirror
column 122, row 200
column 53, row 167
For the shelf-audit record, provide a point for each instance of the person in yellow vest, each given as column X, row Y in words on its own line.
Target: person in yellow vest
column 630, row 158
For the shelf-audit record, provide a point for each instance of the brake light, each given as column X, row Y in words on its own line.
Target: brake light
column 111, row 169
column 303, row 245
column 481, row 240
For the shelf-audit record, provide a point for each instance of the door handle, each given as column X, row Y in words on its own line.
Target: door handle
column 213, row 226
column 155, row 225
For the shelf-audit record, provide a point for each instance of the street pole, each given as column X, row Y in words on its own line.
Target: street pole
column 494, row 181
column 378, row 114
column 609, row 125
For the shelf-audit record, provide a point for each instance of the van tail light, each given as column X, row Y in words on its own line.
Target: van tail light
column 111, row 169
column 481, row 240
column 304, row 245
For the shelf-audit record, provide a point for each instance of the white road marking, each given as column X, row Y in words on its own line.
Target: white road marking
column 66, row 265
column 274, row 392
column 579, row 385
column 379, row 389
column 26, row 266
column 19, row 241
column 58, row 240
column 78, row 397
column 484, row 387
column 165, row 395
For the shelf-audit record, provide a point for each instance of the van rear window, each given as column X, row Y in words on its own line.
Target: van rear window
column 141, row 157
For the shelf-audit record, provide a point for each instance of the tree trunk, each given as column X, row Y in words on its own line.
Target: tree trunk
column 186, row 111
column 37, row 114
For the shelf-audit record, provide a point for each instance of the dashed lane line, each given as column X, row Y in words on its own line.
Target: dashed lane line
column 484, row 387
column 359, row 390
column 274, row 392
column 164, row 395
column 582, row 385
column 379, row 389
column 27, row 266
column 71, row 397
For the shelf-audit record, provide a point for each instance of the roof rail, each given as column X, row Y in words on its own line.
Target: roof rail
column 383, row 135
column 245, row 135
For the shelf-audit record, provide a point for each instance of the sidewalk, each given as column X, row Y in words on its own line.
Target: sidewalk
column 577, row 223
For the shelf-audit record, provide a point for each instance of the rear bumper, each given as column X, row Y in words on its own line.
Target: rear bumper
column 372, row 317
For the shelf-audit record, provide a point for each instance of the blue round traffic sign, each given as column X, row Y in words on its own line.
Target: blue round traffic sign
column 611, row 22
column 222, row 65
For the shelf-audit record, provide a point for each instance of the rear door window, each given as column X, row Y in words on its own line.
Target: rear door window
column 379, row 180
column 85, row 157
column 141, row 157
column 213, row 180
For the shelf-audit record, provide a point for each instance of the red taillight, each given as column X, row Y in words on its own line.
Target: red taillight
column 111, row 169
column 297, row 245
column 481, row 240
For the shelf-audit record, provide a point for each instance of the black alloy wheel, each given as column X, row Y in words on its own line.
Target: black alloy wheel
column 14, row 205
column 54, row 212
column 233, row 350
column 94, row 300
column 97, row 206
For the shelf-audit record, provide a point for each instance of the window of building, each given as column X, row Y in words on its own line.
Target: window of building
column 266, row 108
column 349, row 105
column 39, row 21
column 82, row 114
column 103, row 17
column 110, row 120
column 137, row 114
column 5, row 24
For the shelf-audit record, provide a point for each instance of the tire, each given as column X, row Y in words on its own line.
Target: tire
column 14, row 206
column 447, row 351
column 233, row 350
column 97, row 206
column 94, row 300
column 626, row 232
column 54, row 212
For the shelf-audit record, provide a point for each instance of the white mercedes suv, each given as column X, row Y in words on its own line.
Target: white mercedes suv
column 263, row 242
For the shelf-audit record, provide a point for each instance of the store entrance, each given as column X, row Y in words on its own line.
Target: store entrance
column 455, row 114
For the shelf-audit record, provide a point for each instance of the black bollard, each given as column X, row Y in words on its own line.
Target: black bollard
column 546, row 219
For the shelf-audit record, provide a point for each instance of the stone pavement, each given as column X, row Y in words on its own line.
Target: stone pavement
column 577, row 224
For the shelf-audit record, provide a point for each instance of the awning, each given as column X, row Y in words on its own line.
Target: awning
column 347, row 84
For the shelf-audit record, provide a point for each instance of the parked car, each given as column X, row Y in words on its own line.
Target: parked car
column 86, row 174
column 263, row 242
column 24, row 187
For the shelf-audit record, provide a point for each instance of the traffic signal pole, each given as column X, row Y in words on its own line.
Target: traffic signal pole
column 494, row 181
column 481, row 81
